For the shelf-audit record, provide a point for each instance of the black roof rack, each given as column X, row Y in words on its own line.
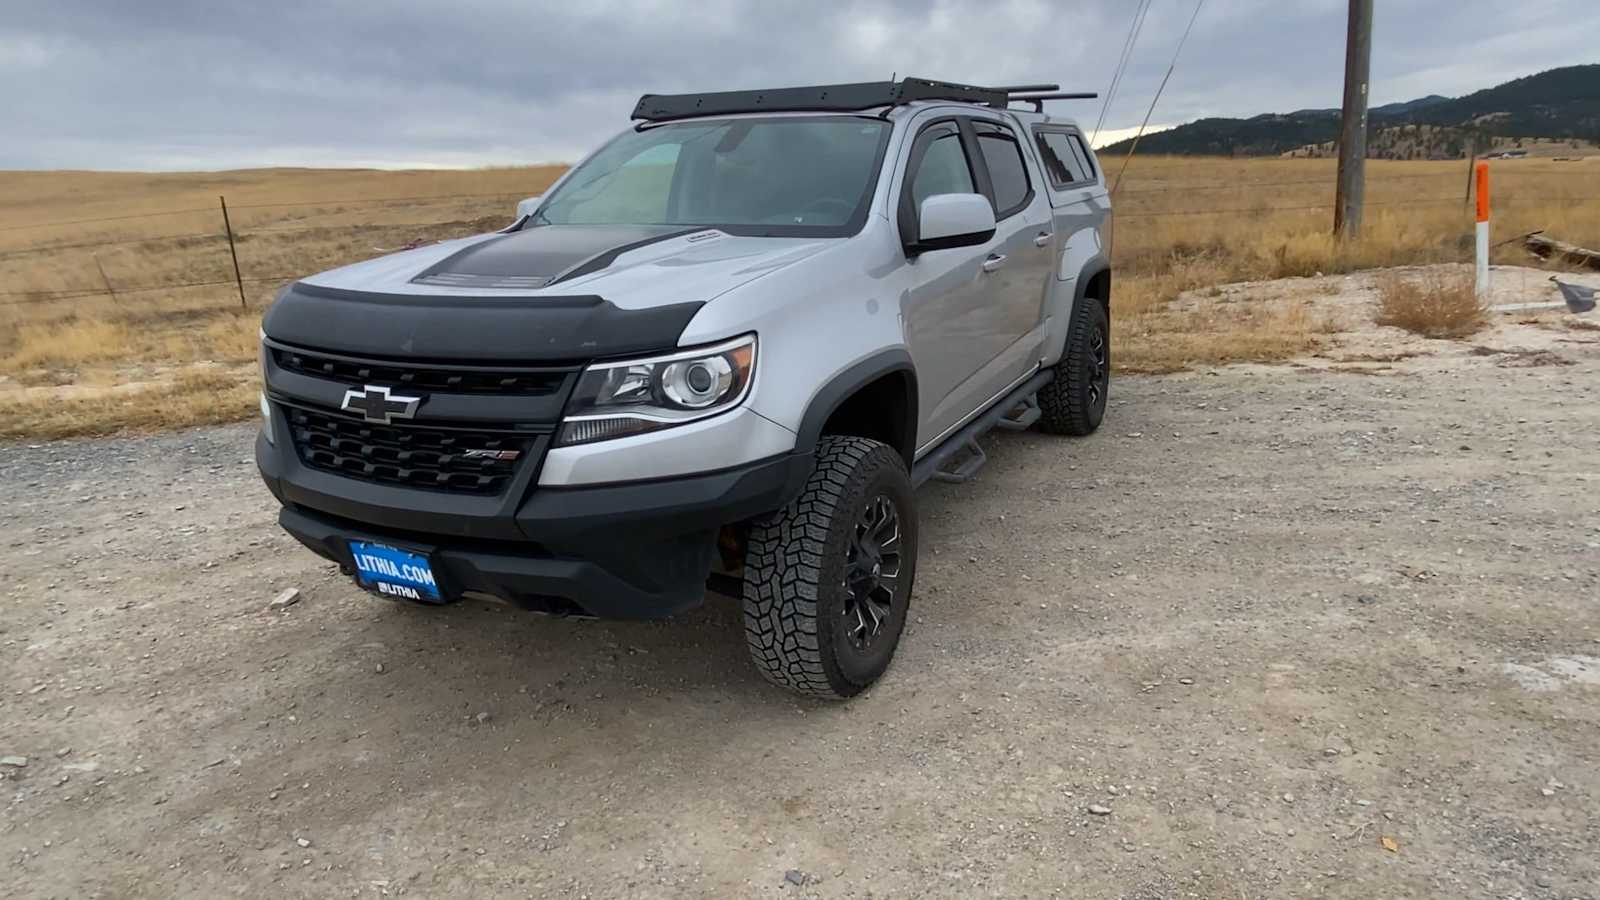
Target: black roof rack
column 828, row 98
column 1038, row 98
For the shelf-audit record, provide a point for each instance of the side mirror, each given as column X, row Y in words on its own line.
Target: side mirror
column 953, row 220
column 526, row 207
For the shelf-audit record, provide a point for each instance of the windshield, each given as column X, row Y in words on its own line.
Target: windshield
column 777, row 176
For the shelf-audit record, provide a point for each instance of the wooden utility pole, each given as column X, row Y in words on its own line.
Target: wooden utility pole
column 1353, row 136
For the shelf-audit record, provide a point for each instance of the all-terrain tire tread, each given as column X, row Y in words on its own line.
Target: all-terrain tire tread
column 1064, row 403
column 783, row 569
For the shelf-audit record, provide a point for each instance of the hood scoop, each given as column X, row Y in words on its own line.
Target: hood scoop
column 543, row 255
column 493, row 282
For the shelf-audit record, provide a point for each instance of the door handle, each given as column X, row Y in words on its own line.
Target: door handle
column 1043, row 240
column 995, row 261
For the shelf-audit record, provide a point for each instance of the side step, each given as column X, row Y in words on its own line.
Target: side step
column 941, row 461
column 1022, row 416
column 962, row 467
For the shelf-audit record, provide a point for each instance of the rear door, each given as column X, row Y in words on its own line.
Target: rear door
column 1021, row 264
column 1077, row 195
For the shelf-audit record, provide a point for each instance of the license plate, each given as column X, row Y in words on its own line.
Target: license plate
column 394, row 572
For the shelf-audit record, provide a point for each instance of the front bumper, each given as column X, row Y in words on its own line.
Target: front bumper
column 630, row 550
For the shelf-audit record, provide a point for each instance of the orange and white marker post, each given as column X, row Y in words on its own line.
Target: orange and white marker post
column 1483, row 230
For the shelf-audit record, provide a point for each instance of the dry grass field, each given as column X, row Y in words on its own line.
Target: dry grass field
column 170, row 344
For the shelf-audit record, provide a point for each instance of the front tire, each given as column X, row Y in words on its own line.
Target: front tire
column 827, row 579
column 1075, row 402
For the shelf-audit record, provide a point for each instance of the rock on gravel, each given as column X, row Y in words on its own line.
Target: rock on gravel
column 285, row 599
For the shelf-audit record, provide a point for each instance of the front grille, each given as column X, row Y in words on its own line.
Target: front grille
column 432, row 458
column 455, row 380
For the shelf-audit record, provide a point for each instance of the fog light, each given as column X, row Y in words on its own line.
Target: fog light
column 266, row 418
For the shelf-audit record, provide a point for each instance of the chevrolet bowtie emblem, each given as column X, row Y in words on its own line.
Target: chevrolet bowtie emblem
column 375, row 404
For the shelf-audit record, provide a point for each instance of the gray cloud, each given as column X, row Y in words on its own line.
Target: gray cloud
column 173, row 84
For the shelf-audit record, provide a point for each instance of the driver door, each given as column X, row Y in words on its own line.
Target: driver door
column 963, row 319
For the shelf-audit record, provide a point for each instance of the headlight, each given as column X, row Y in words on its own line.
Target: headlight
column 617, row 399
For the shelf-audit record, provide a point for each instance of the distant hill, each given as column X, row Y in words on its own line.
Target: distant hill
column 1410, row 106
column 1550, row 108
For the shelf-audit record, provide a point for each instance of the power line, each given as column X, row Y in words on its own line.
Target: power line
column 1139, row 13
column 1165, row 78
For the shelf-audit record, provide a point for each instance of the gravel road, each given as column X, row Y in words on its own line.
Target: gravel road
column 1273, row 632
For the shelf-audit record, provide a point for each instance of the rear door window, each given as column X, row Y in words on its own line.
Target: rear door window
column 1085, row 158
column 1065, row 160
column 1003, row 156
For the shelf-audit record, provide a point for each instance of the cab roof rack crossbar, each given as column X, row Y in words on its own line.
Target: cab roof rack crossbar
column 827, row 98
column 1037, row 99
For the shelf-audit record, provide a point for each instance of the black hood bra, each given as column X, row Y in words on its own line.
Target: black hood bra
column 489, row 328
column 543, row 255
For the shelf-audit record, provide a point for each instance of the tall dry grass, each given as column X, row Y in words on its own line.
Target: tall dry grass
column 1169, row 241
column 1182, row 224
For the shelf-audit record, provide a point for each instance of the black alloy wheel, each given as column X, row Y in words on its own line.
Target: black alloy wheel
column 872, row 574
column 1098, row 360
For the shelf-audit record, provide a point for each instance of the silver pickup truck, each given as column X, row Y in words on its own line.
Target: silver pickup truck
column 722, row 350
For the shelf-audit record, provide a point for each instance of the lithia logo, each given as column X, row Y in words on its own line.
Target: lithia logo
column 375, row 404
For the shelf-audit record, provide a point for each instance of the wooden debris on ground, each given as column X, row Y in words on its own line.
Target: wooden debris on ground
column 1550, row 248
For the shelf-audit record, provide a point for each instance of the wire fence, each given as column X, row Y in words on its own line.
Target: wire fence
column 213, row 248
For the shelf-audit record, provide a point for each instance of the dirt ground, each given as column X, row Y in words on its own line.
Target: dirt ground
column 1325, row 629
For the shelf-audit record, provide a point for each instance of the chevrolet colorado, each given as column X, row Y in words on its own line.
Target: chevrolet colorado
column 723, row 349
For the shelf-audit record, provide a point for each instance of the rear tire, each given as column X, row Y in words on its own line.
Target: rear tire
column 1075, row 402
column 827, row 579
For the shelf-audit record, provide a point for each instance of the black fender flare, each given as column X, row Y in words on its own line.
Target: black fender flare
column 826, row 401
column 1094, row 268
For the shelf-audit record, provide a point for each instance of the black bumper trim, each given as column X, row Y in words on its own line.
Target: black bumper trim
column 634, row 550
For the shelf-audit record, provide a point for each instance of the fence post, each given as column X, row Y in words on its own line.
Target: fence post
column 1482, row 279
column 109, row 289
column 1472, row 167
column 228, row 226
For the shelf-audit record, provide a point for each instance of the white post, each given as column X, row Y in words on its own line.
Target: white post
column 1482, row 280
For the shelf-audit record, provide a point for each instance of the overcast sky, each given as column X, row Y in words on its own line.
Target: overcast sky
column 215, row 84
